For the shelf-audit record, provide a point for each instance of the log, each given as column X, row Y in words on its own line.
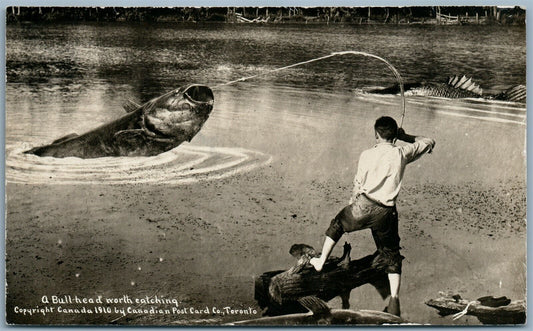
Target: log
column 278, row 291
column 506, row 312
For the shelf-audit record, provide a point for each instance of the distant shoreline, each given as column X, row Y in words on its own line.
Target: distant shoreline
column 274, row 15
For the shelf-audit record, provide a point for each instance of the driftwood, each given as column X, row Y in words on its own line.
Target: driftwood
column 279, row 291
column 488, row 310
column 320, row 314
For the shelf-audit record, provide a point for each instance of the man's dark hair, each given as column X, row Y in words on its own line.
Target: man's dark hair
column 386, row 127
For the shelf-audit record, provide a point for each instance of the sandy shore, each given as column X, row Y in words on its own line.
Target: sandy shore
column 462, row 219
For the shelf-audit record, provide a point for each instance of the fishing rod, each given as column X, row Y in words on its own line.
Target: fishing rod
column 393, row 69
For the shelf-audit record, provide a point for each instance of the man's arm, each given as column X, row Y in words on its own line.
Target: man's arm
column 418, row 145
column 358, row 179
column 402, row 135
column 355, row 191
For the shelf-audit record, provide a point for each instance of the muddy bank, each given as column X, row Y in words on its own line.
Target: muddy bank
column 203, row 244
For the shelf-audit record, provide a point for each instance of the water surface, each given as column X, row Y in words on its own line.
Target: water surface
column 64, row 78
column 297, row 134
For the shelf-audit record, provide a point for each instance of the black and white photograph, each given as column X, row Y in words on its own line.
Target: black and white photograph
column 265, row 166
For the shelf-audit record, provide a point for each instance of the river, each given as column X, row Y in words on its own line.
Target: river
column 273, row 163
column 64, row 78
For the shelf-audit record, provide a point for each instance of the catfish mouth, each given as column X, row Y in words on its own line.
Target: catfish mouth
column 199, row 95
column 202, row 99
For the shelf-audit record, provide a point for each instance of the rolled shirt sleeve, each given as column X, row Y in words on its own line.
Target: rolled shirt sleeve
column 415, row 150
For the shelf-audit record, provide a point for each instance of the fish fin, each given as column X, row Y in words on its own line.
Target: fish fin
column 516, row 93
column 317, row 306
column 465, row 83
column 453, row 80
column 130, row 106
column 461, row 81
column 471, row 87
column 131, row 136
column 67, row 137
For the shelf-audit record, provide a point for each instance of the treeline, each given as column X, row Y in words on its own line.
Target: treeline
column 353, row 15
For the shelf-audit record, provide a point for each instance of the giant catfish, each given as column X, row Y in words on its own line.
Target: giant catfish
column 153, row 128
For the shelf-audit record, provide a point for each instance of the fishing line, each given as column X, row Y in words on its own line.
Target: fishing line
column 393, row 69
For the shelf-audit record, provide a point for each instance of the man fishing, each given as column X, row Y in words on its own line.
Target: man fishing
column 373, row 202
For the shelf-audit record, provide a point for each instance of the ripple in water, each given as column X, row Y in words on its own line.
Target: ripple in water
column 183, row 165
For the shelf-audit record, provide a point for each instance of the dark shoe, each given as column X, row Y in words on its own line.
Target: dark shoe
column 394, row 306
column 491, row 301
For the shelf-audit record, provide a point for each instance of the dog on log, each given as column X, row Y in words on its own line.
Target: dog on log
column 279, row 291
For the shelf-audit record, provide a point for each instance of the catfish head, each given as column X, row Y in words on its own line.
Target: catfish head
column 157, row 126
column 179, row 114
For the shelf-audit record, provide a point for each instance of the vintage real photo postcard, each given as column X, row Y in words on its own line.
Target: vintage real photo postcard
column 184, row 166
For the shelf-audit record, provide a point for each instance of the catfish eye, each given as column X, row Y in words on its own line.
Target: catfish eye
column 185, row 106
